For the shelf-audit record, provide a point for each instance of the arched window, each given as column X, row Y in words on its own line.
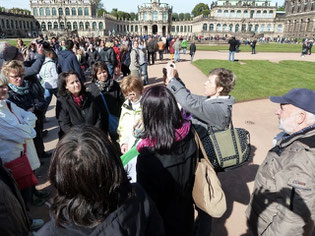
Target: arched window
column 262, row 28
column 250, row 28
column 87, row 25
column 12, row 24
column 224, row 27
column 55, row 25
column 237, row 27
column 86, row 11
column 185, row 28
column 136, row 28
column 62, row 25
column 305, row 7
column 53, row 11
column 145, row 16
column 47, row 10
column 181, row 28
column 100, row 25
column 270, row 14
column 269, row 27
column 264, row 14
column 74, row 11
column 204, row 28
column 43, row 26
column 20, row 23
column 226, row 13
column 75, row 25
column 49, row 26
column 67, row 11
column 245, row 14
column 60, row 11
column 41, row 11
column 35, row 11
column 258, row 14
column 231, row 27
column 94, row 25
column 252, row 14
column 177, row 28
column 164, row 16
column 219, row 13
column 243, row 27
column 211, row 27
column 8, row 24
column 155, row 16
column 16, row 24
column 80, row 13
column 28, row 24
column 232, row 14
column 69, row 25
column 173, row 28
column 256, row 28
column 131, row 28
column 219, row 27
column 24, row 25
column 238, row 14
column 279, row 28
column 81, row 26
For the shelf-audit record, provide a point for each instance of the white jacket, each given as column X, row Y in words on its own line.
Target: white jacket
column 13, row 134
column 49, row 74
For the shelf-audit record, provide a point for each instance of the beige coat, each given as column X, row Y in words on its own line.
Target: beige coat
column 283, row 201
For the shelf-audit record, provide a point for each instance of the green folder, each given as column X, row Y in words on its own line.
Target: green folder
column 128, row 156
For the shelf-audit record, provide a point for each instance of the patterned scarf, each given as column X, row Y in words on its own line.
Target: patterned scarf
column 102, row 85
column 180, row 134
column 78, row 100
column 21, row 90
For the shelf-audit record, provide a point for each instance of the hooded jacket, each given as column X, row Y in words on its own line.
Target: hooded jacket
column 108, row 56
column 283, row 200
column 69, row 62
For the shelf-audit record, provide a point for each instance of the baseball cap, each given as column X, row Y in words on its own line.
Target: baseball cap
column 300, row 97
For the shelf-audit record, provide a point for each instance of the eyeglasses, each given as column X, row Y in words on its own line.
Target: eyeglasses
column 16, row 76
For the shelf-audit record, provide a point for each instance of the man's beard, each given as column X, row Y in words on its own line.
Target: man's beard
column 288, row 125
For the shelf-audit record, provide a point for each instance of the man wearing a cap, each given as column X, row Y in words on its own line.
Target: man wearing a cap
column 283, row 200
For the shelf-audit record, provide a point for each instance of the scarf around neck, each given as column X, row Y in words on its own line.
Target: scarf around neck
column 24, row 89
column 180, row 134
column 102, row 85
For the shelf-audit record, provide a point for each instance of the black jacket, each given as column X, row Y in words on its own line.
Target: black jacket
column 192, row 48
column 35, row 97
column 233, row 43
column 137, row 217
column 108, row 56
column 112, row 94
column 169, row 179
column 70, row 114
column 14, row 219
column 92, row 56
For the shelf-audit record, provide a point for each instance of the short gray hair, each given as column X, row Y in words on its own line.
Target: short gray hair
column 310, row 118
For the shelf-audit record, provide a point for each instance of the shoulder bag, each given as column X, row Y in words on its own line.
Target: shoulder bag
column 112, row 120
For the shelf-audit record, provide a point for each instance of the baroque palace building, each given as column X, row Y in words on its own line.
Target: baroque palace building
column 243, row 18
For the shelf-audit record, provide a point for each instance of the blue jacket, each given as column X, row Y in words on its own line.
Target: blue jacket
column 69, row 62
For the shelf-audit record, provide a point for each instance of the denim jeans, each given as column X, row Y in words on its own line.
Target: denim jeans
column 110, row 69
column 176, row 57
column 231, row 54
column 184, row 50
column 144, row 69
column 48, row 96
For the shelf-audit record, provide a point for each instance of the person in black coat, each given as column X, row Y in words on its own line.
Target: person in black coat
column 94, row 195
column 108, row 55
column 103, row 87
column 192, row 51
column 75, row 106
column 92, row 55
column 167, row 160
column 233, row 44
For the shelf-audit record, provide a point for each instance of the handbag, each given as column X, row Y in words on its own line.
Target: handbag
column 22, row 171
column 112, row 120
column 227, row 149
column 207, row 192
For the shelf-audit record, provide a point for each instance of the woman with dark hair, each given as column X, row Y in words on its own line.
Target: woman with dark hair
column 75, row 106
column 107, row 94
column 94, row 196
column 167, row 160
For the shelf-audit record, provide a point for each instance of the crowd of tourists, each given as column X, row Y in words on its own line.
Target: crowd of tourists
column 127, row 155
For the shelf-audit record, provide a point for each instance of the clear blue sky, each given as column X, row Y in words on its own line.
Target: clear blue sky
column 125, row 5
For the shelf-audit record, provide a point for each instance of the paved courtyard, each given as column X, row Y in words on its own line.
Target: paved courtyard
column 256, row 116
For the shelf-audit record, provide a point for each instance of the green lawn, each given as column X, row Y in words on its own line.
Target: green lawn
column 14, row 41
column 261, row 79
column 260, row 47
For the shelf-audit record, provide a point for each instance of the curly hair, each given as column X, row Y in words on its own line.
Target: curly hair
column 13, row 65
column 89, row 177
column 225, row 79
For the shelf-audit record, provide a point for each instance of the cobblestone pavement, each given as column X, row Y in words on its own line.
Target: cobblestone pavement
column 256, row 116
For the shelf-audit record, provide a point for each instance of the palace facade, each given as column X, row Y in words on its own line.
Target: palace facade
column 244, row 18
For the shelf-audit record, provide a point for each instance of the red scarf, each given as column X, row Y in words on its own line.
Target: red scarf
column 78, row 100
